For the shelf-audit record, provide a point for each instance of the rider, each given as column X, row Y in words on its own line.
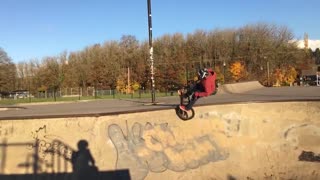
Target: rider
column 205, row 87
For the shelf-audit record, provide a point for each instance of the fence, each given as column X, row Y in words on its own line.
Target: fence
column 91, row 92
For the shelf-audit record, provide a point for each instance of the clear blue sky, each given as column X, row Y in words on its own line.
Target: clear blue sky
column 39, row 28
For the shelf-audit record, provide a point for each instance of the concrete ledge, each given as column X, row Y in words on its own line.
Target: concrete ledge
column 239, row 87
column 10, row 108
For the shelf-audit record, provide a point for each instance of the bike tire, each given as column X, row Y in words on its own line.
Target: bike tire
column 185, row 115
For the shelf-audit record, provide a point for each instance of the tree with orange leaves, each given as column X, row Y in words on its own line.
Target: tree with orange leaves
column 291, row 75
column 278, row 77
column 285, row 76
column 238, row 71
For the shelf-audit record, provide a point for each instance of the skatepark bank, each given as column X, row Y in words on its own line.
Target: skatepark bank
column 275, row 140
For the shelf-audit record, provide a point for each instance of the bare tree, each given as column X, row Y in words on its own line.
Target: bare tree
column 52, row 74
column 258, row 46
column 7, row 72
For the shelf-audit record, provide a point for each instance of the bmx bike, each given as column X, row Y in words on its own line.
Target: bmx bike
column 185, row 95
column 184, row 100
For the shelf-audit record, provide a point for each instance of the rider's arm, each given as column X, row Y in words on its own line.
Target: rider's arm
column 204, row 93
column 208, row 85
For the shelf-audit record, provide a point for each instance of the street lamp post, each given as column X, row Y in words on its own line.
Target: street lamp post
column 224, row 71
column 153, row 96
column 318, row 78
column 268, row 71
column 29, row 88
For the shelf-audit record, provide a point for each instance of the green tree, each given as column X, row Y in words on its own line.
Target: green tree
column 177, row 57
column 7, row 72
column 53, row 76
column 129, row 59
column 317, row 56
column 111, row 63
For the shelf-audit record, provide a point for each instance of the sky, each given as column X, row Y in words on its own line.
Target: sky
column 33, row 29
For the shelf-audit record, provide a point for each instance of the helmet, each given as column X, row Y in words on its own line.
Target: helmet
column 202, row 73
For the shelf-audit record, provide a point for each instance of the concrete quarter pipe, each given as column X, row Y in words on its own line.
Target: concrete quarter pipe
column 278, row 140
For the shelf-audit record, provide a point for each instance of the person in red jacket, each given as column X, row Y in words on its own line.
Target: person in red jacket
column 205, row 87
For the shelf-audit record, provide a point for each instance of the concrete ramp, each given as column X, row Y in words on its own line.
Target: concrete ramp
column 240, row 141
column 240, row 87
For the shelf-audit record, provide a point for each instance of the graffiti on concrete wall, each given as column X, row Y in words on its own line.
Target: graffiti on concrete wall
column 231, row 121
column 302, row 135
column 45, row 153
column 39, row 136
column 48, row 149
column 49, row 143
column 154, row 148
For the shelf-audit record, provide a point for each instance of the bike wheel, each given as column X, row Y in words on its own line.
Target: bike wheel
column 185, row 115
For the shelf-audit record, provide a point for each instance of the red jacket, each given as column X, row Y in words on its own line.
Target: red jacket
column 208, row 83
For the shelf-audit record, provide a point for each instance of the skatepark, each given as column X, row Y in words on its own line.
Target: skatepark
column 246, row 131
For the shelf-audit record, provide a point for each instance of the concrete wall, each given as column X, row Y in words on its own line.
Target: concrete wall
column 222, row 142
column 240, row 87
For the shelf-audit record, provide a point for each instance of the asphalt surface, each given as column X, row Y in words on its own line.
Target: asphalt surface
column 121, row 106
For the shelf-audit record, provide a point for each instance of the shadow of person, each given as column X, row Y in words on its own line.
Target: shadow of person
column 83, row 163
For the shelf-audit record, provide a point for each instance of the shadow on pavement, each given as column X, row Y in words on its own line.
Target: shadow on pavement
column 103, row 175
column 57, row 164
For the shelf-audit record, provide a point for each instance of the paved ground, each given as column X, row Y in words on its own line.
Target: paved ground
column 120, row 106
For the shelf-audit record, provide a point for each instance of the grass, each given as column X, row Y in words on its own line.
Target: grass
column 77, row 98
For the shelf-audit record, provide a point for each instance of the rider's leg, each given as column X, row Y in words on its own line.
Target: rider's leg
column 192, row 102
column 192, row 88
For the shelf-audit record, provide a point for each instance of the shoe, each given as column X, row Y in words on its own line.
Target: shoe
column 183, row 108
